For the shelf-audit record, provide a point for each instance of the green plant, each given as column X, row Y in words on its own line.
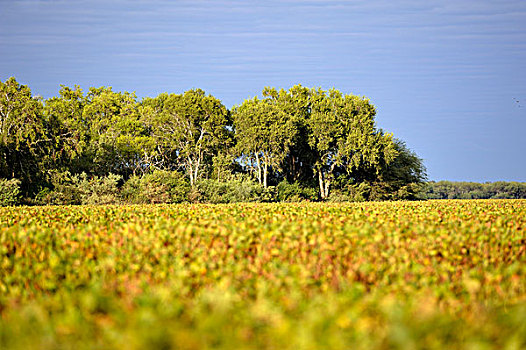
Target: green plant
column 9, row 191
column 71, row 189
column 295, row 192
column 97, row 190
column 63, row 191
column 236, row 189
column 157, row 187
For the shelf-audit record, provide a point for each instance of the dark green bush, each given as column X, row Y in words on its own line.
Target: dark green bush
column 411, row 191
column 236, row 189
column 362, row 191
column 63, row 191
column 295, row 192
column 80, row 189
column 9, row 192
column 98, row 190
column 157, row 187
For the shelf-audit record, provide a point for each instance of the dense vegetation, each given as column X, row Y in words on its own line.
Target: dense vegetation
column 104, row 146
column 378, row 275
column 473, row 190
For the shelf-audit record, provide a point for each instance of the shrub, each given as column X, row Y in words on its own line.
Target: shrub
column 98, row 190
column 294, row 192
column 411, row 191
column 237, row 189
column 339, row 196
column 63, row 191
column 157, row 187
column 80, row 189
column 9, row 191
column 361, row 192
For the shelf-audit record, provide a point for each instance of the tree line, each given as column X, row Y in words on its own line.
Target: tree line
column 475, row 190
column 300, row 143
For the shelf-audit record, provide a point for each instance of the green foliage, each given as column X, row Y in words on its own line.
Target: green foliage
column 405, row 275
column 352, row 192
column 236, row 189
column 69, row 130
column 9, row 192
column 295, row 192
column 157, row 187
column 264, row 133
column 64, row 190
column 402, row 179
column 24, row 143
column 298, row 135
column 80, row 189
column 473, row 190
column 191, row 128
column 377, row 191
column 410, row 191
column 343, row 133
column 298, row 164
column 311, row 132
column 98, row 190
column 118, row 137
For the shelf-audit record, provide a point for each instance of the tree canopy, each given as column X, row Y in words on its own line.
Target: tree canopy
column 315, row 139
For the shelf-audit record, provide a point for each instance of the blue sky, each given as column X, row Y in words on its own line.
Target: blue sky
column 444, row 75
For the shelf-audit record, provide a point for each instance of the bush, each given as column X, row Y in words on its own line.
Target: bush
column 237, row 189
column 80, row 189
column 361, row 192
column 339, row 196
column 294, row 192
column 157, row 187
column 63, row 191
column 411, row 191
column 98, row 190
column 9, row 192
column 381, row 191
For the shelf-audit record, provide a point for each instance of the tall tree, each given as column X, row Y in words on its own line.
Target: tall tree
column 69, row 129
column 117, row 135
column 24, row 141
column 406, row 167
column 192, row 127
column 264, row 133
column 296, row 104
column 343, row 134
column 402, row 178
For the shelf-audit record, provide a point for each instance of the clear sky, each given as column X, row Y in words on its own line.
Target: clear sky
column 445, row 76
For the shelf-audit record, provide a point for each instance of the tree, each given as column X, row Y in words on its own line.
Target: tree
column 402, row 178
column 343, row 134
column 264, row 133
column 296, row 104
column 69, row 129
column 191, row 128
column 24, row 141
column 406, row 167
column 117, row 135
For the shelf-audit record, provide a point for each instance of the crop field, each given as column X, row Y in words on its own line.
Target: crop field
column 386, row 275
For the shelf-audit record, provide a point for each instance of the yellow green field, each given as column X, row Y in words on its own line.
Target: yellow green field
column 390, row 275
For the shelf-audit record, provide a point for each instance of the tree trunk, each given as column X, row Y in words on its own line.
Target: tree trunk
column 197, row 169
column 322, row 184
column 191, row 171
column 258, row 164
column 265, row 175
column 327, row 186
